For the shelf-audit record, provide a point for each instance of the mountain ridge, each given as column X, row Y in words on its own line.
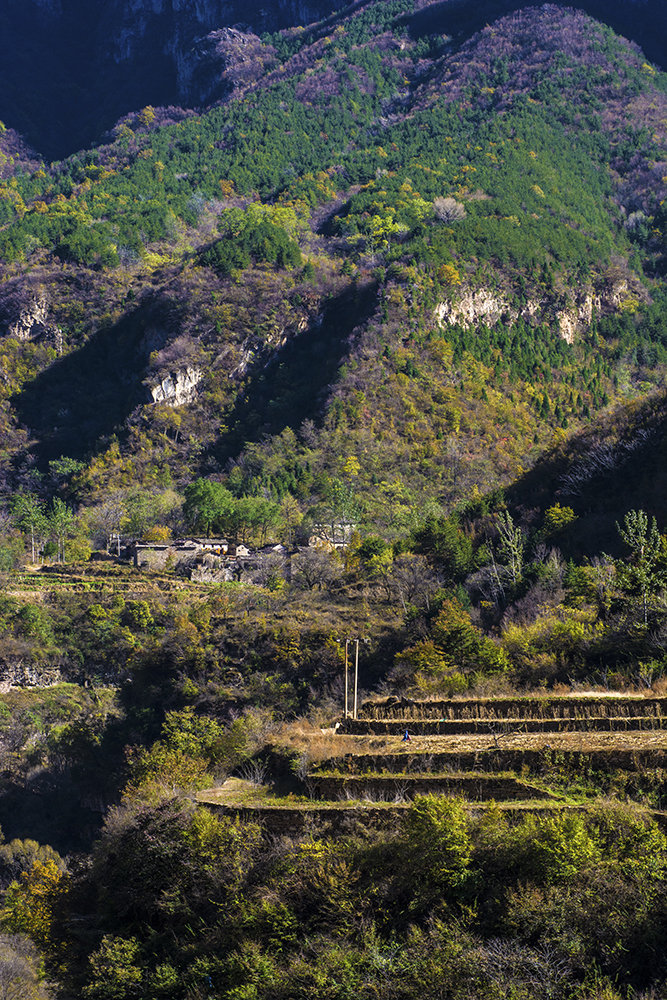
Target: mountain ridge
column 90, row 64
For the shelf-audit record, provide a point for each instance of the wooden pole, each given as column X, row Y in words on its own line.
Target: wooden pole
column 346, row 677
column 356, row 675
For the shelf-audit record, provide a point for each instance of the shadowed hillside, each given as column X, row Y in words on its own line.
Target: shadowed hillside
column 617, row 464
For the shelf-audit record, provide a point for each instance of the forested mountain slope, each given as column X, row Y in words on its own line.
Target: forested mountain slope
column 470, row 239
column 70, row 68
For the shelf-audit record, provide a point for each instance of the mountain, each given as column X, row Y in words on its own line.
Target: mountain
column 385, row 258
column 396, row 279
column 614, row 464
column 70, row 69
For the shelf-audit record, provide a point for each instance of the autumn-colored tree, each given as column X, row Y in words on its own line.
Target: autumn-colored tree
column 115, row 972
column 438, row 841
column 29, row 902
column 556, row 518
column 146, row 116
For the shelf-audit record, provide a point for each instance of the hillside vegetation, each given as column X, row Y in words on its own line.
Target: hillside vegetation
column 520, row 175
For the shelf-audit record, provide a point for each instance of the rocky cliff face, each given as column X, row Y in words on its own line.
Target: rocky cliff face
column 17, row 672
column 220, row 62
column 176, row 388
column 572, row 315
column 28, row 318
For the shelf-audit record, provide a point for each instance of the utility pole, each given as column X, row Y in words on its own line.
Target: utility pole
column 356, row 675
column 356, row 640
column 347, row 641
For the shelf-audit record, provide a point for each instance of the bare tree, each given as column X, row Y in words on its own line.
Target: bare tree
column 512, row 544
column 315, row 568
column 449, row 209
column 413, row 580
column 604, row 581
column 106, row 519
column 541, row 973
column 270, row 570
column 505, row 568
column 19, row 969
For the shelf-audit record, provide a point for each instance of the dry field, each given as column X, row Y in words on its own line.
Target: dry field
column 583, row 742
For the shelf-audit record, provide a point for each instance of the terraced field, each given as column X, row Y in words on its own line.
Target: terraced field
column 96, row 578
column 535, row 752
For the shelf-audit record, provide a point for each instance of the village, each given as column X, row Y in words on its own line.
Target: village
column 218, row 560
column 205, row 559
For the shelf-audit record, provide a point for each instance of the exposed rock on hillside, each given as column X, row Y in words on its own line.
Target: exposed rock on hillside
column 221, row 62
column 475, row 306
column 480, row 306
column 176, row 388
column 17, row 672
column 28, row 319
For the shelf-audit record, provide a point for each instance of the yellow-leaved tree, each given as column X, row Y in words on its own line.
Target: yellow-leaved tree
column 30, row 901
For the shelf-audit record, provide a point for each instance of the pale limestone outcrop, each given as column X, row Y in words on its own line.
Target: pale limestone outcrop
column 531, row 310
column 16, row 673
column 32, row 323
column 478, row 305
column 32, row 320
column 254, row 347
column 482, row 306
column 176, row 388
column 576, row 318
column 220, row 62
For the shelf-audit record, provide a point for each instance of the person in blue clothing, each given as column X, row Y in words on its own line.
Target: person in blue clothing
column 406, row 737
